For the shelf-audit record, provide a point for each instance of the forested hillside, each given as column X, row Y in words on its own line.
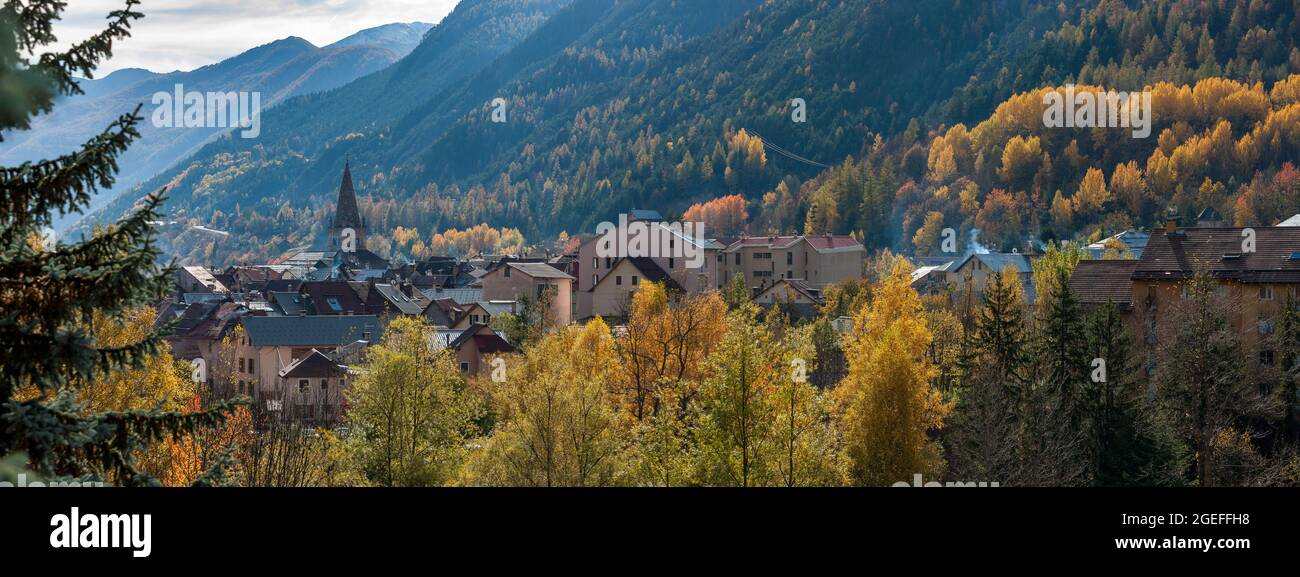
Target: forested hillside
column 278, row 70
column 928, row 111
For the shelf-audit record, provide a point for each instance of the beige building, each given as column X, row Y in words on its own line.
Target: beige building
column 1255, row 285
column 309, row 391
column 515, row 281
column 611, row 296
column 272, row 345
column 590, row 268
column 972, row 273
column 818, row 260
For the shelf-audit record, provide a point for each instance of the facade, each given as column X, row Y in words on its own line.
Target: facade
column 1255, row 285
column 972, row 272
column 309, row 391
column 272, row 345
column 482, row 313
column 818, row 260
column 515, row 281
column 611, row 296
column 589, row 268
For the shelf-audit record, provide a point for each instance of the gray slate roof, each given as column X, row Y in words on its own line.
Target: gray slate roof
column 312, row 330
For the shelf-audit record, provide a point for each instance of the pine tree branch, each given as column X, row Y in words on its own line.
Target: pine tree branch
column 61, row 439
column 34, row 28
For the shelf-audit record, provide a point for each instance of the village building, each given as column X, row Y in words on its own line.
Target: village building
column 536, row 282
column 309, row 391
column 818, row 260
column 270, row 345
column 611, row 296
column 482, row 313
column 1255, row 282
column 971, row 273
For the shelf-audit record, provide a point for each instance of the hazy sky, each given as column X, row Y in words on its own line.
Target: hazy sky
column 186, row 34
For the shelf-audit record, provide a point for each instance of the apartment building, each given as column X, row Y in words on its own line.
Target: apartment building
column 818, row 260
column 1254, row 284
column 590, row 267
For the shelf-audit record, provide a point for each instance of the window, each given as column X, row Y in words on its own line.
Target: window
column 672, row 263
column 324, row 386
column 302, row 386
column 607, row 262
column 789, row 259
column 635, row 280
column 464, row 367
column 334, row 304
column 618, row 279
column 1265, row 326
column 762, row 256
column 507, row 271
column 594, row 279
column 241, row 387
column 1266, row 293
column 241, row 365
column 251, row 390
column 1266, row 358
column 595, row 263
column 762, row 273
column 737, row 258
column 250, row 366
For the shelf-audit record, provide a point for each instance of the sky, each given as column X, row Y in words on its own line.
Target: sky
column 187, row 34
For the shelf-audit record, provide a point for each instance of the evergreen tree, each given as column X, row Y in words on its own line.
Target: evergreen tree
column 49, row 294
column 1128, row 445
column 1062, row 351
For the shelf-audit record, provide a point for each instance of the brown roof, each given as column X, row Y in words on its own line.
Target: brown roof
column 1104, row 281
column 333, row 298
column 1220, row 251
column 315, row 364
column 650, row 271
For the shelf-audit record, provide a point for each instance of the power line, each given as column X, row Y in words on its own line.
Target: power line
column 786, row 153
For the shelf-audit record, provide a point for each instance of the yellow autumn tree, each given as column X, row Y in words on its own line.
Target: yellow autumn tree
column 557, row 423
column 1092, row 195
column 886, row 402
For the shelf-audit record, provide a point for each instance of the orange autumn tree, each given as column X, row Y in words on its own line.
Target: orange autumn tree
column 191, row 455
column 887, row 404
column 723, row 216
column 667, row 338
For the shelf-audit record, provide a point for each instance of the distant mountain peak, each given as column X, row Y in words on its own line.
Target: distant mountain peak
column 400, row 37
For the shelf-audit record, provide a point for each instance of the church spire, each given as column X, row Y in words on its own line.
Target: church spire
column 346, row 214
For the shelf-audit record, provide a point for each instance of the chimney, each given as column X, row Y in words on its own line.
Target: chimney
column 1171, row 221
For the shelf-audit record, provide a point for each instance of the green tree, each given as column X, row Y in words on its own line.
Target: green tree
column 410, row 410
column 1201, row 378
column 49, row 295
column 735, row 405
column 1129, row 446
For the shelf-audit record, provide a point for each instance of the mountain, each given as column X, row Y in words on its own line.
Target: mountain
column 614, row 104
column 401, row 37
column 279, row 70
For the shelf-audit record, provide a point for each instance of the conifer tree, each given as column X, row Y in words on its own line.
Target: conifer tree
column 1128, row 445
column 48, row 294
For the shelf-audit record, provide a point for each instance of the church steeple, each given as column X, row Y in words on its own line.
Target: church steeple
column 346, row 214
